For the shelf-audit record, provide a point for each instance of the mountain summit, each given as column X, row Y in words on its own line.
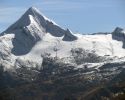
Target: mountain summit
column 33, row 17
column 30, row 29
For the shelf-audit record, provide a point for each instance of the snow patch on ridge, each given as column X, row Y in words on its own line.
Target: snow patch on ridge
column 46, row 18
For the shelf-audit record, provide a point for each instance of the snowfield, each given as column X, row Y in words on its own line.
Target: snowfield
column 101, row 44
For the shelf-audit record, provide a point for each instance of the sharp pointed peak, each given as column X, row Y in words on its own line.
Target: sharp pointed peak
column 33, row 10
column 32, row 7
column 34, row 16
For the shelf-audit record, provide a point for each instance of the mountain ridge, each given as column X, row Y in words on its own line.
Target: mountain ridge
column 34, row 35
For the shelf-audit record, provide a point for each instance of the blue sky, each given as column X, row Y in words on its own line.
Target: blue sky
column 83, row 16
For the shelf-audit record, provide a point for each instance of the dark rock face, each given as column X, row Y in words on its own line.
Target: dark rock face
column 119, row 35
column 23, row 43
column 54, row 30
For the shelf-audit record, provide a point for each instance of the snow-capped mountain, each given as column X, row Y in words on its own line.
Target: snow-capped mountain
column 30, row 29
column 34, row 35
column 41, row 60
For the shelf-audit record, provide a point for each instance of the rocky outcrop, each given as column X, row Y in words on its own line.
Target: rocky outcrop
column 119, row 35
column 68, row 36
